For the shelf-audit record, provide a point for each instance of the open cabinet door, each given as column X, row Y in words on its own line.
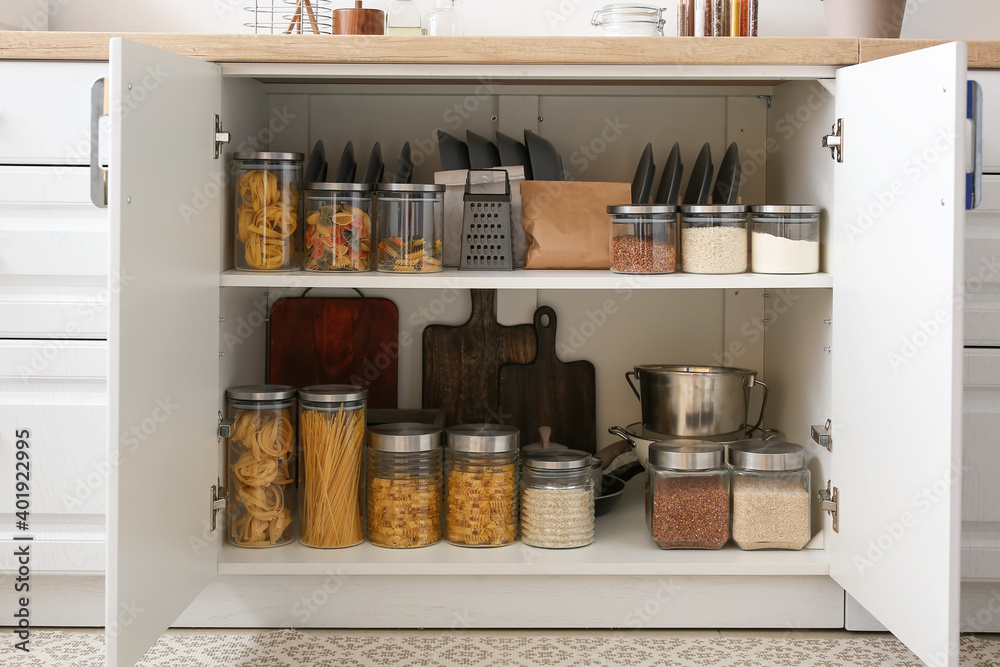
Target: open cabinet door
column 163, row 340
column 896, row 254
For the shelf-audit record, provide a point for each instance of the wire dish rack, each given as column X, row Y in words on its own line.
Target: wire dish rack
column 291, row 17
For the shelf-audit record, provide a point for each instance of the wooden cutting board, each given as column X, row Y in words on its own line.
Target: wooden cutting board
column 462, row 363
column 550, row 392
column 323, row 340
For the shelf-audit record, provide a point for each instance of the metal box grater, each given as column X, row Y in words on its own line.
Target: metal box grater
column 486, row 226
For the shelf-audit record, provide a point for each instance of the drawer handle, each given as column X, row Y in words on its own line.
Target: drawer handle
column 98, row 173
column 974, row 112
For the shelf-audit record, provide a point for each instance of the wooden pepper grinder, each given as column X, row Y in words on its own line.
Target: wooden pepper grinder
column 358, row 21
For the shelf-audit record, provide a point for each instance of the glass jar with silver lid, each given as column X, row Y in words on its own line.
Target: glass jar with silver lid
column 714, row 238
column 410, row 222
column 771, row 501
column 643, row 238
column 557, row 499
column 630, row 20
column 339, row 234
column 268, row 210
column 687, row 494
column 404, row 485
column 481, row 485
column 784, row 239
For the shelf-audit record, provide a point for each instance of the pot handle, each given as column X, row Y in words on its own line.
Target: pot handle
column 763, row 404
column 628, row 378
column 623, row 434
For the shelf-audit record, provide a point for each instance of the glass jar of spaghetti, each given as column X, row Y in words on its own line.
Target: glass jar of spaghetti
column 338, row 227
column 481, row 485
column 268, row 210
column 404, row 485
column 261, row 462
column 331, row 450
column 410, row 221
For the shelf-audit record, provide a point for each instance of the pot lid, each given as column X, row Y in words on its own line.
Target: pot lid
column 687, row 454
column 482, row 438
column 261, row 392
column 766, row 455
column 557, row 459
column 404, row 437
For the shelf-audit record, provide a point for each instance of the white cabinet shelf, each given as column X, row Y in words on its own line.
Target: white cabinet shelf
column 524, row 279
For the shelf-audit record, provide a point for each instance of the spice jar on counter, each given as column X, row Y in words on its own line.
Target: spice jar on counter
column 332, row 445
column 687, row 494
column 643, row 238
column 410, row 221
column 338, row 227
column 784, row 239
column 261, row 461
column 404, row 485
column 267, row 210
column 557, row 499
column 481, row 485
column 770, row 495
column 714, row 238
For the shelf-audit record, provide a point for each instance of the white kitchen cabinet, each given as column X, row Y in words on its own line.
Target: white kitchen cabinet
column 828, row 349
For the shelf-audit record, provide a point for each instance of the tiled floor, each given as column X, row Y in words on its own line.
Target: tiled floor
column 521, row 648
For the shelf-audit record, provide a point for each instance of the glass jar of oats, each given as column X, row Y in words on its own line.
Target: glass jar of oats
column 557, row 499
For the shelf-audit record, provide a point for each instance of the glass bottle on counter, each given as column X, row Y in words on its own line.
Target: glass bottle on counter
column 557, row 499
column 268, row 210
column 404, row 485
column 770, row 495
column 481, row 485
column 332, row 444
column 445, row 19
column 403, row 18
column 261, row 461
column 687, row 494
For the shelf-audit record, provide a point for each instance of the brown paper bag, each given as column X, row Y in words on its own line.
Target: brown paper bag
column 567, row 223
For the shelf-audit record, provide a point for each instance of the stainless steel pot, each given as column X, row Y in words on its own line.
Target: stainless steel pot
column 695, row 401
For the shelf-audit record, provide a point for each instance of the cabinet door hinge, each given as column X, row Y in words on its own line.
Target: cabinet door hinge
column 221, row 136
column 822, row 435
column 218, row 501
column 225, row 425
column 829, row 502
column 835, row 141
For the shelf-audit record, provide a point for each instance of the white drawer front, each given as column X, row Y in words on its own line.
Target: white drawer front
column 981, row 466
column 57, row 391
column 48, row 225
column 45, row 111
column 982, row 267
column 31, row 311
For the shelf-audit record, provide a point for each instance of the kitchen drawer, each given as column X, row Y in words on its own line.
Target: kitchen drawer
column 57, row 311
column 48, row 225
column 981, row 466
column 982, row 267
column 990, row 81
column 45, row 111
column 57, row 391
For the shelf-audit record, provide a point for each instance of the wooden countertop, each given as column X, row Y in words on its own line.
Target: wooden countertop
column 245, row 48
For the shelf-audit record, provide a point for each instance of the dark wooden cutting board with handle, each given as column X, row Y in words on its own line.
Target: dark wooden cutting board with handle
column 462, row 363
column 550, row 392
column 332, row 340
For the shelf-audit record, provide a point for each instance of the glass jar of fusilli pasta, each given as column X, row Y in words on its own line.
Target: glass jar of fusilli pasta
column 261, row 456
column 339, row 234
column 410, row 221
column 404, row 485
column 332, row 447
column 268, row 210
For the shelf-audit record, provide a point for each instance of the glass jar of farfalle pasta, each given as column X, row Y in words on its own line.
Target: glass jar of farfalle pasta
column 410, row 221
column 332, row 447
column 261, row 457
column 404, row 485
column 481, row 485
column 268, row 210
column 338, row 227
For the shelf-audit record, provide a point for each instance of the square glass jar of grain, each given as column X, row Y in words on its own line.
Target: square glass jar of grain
column 770, row 495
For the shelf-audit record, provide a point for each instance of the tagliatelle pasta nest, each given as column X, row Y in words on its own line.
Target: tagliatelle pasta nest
column 262, row 470
column 266, row 220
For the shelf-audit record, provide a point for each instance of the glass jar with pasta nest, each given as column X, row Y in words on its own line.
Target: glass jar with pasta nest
column 410, row 222
column 481, row 485
column 338, row 227
column 557, row 499
column 404, row 485
column 331, row 457
column 714, row 239
column 268, row 210
column 261, row 461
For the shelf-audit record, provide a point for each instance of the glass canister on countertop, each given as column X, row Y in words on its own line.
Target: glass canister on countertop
column 261, row 461
column 643, row 238
column 331, row 456
column 784, row 239
column 770, row 495
column 557, row 499
column 714, row 238
column 268, row 210
column 629, row 20
column 687, row 494
column 481, row 485
column 338, row 227
column 404, row 485
column 410, row 221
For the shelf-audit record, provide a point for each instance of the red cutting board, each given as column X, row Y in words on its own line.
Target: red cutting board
column 550, row 392
column 324, row 340
column 462, row 363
